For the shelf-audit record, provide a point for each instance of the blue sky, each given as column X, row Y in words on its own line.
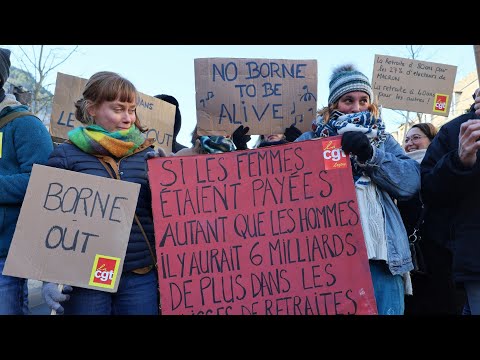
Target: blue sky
column 169, row 69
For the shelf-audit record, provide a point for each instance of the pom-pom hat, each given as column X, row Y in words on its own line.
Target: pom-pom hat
column 347, row 79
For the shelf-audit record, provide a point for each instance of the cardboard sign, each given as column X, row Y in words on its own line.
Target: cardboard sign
column 413, row 85
column 264, row 94
column 476, row 50
column 73, row 229
column 266, row 231
column 157, row 115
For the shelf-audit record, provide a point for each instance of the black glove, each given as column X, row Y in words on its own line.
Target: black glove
column 292, row 133
column 240, row 137
column 357, row 143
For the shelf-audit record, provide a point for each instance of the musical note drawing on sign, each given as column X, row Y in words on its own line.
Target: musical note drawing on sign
column 299, row 117
column 209, row 96
column 308, row 95
column 296, row 117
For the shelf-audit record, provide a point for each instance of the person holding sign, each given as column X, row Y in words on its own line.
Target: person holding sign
column 290, row 135
column 240, row 137
column 450, row 174
column 178, row 121
column 112, row 143
column 24, row 141
column 203, row 145
column 210, row 144
column 269, row 140
column 381, row 172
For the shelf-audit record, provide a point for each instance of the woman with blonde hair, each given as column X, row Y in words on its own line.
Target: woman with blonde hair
column 112, row 144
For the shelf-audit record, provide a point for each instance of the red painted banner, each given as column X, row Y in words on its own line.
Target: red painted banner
column 270, row 231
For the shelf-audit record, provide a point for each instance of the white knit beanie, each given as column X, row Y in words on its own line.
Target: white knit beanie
column 346, row 79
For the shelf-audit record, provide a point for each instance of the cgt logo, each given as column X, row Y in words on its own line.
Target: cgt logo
column 440, row 103
column 333, row 155
column 104, row 271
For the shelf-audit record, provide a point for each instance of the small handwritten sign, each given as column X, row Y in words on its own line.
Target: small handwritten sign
column 267, row 95
column 413, row 85
column 73, row 229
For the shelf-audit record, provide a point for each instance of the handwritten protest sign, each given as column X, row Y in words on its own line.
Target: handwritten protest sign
column 413, row 85
column 476, row 50
column 268, row 231
column 264, row 94
column 73, row 229
column 157, row 115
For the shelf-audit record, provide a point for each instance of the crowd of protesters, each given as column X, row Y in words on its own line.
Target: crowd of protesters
column 425, row 188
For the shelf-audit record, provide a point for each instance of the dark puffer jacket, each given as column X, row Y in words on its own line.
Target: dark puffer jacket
column 272, row 143
column 452, row 194
column 131, row 168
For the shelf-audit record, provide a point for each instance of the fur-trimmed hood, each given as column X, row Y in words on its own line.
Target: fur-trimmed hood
column 9, row 100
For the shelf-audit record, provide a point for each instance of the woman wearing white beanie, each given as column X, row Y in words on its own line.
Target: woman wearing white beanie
column 381, row 172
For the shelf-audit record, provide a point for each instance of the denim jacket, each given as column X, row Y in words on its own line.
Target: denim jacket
column 397, row 177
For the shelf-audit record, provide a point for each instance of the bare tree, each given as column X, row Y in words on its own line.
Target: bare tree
column 413, row 52
column 39, row 62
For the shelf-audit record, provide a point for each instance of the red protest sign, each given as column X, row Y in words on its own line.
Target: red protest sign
column 265, row 231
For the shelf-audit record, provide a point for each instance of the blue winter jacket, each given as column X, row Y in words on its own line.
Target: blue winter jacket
column 397, row 177
column 131, row 168
column 24, row 141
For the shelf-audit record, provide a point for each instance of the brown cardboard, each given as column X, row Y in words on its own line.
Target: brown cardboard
column 476, row 49
column 257, row 93
column 42, row 221
column 68, row 90
column 413, row 85
column 157, row 115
